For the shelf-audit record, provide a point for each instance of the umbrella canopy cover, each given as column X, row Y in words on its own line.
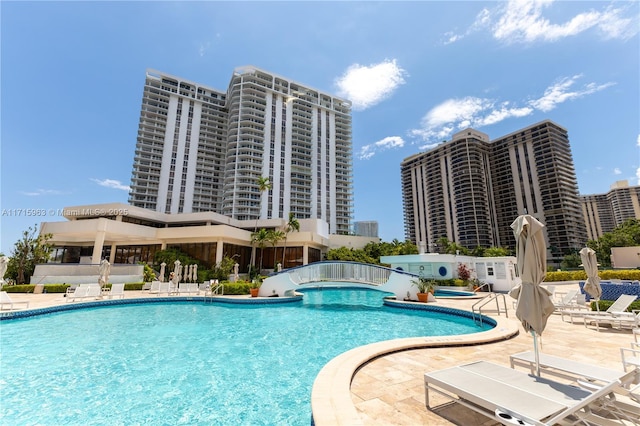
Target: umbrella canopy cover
column 534, row 301
column 103, row 272
column 590, row 263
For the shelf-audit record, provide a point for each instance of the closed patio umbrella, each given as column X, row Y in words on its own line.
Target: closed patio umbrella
column 103, row 272
column 162, row 267
column 590, row 264
column 534, row 304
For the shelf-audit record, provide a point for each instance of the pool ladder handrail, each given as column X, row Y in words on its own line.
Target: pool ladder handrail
column 216, row 289
column 477, row 310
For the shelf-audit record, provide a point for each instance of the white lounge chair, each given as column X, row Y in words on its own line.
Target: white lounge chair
column 6, row 300
column 94, row 291
column 188, row 288
column 155, row 287
column 578, row 308
column 515, row 397
column 117, row 290
column 567, row 300
column 616, row 313
column 630, row 358
column 564, row 368
column 80, row 292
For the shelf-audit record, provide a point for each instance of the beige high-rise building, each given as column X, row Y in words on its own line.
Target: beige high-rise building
column 604, row 212
column 200, row 149
column 470, row 189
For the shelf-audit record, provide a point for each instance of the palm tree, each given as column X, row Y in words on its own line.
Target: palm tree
column 260, row 238
column 291, row 225
column 263, row 185
column 274, row 238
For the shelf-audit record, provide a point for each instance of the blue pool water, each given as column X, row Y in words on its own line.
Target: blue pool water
column 192, row 363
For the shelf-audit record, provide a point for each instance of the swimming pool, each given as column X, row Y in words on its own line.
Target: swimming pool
column 193, row 363
column 454, row 293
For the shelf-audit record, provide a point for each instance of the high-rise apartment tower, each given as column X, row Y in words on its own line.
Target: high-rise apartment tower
column 470, row 189
column 200, row 149
column 604, row 212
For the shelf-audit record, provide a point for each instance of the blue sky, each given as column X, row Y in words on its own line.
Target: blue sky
column 417, row 72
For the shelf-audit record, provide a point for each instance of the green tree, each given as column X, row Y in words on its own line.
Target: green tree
column 572, row 260
column 291, row 225
column 496, row 252
column 29, row 251
column 626, row 234
column 274, row 237
column 260, row 238
column 263, row 185
column 351, row 255
column 169, row 257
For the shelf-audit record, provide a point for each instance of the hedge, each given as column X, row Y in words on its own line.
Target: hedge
column 621, row 274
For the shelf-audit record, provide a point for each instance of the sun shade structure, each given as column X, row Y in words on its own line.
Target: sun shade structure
column 590, row 264
column 534, row 304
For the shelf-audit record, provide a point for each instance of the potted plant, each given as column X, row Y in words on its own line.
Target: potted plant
column 425, row 287
column 254, row 287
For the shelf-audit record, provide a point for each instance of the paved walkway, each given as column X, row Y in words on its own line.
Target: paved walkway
column 389, row 390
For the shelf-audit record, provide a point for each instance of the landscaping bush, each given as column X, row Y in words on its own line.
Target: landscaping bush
column 604, row 305
column 618, row 274
column 20, row 288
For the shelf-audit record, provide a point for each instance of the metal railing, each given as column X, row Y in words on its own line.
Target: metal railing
column 215, row 289
column 340, row 271
column 478, row 311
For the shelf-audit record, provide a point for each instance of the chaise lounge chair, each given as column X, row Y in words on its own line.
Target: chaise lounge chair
column 117, row 290
column 616, row 314
column 515, row 397
column 6, row 300
column 567, row 300
column 565, row 368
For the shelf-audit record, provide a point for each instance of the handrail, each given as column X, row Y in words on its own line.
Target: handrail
column 477, row 307
column 210, row 291
column 339, row 271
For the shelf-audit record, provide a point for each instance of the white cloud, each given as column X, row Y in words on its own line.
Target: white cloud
column 617, row 171
column 367, row 86
column 390, row 142
column 112, row 183
column 638, row 175
column 523, row 21
column 453, row 115
column 560, row 92
column 39, row 192
column 638, row 141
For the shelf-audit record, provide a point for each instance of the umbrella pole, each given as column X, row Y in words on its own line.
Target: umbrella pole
column 536, row 351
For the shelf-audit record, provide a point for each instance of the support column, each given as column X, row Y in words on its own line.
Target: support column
column 112, row 256
column 219, row 250
column 98, row 243
column 305, row 254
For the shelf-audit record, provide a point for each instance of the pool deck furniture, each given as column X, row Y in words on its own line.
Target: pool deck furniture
column 513, row 396
column 117, row 290
column 85, row 291
column 564, row 368
column 188, row 288
column 567, row 299
column 616, row 312
column 5, row 299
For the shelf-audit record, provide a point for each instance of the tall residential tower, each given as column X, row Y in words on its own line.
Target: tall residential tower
column 470, row 189
column 604, row 212
column 200, row 149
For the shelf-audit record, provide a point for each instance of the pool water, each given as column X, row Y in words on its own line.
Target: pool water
column 192, row 363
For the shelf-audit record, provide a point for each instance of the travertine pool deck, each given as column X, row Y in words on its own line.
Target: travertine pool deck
column 383, row 383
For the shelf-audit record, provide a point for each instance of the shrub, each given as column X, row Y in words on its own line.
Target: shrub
column 621, row 274
column 20, row 288
column 604, row 305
